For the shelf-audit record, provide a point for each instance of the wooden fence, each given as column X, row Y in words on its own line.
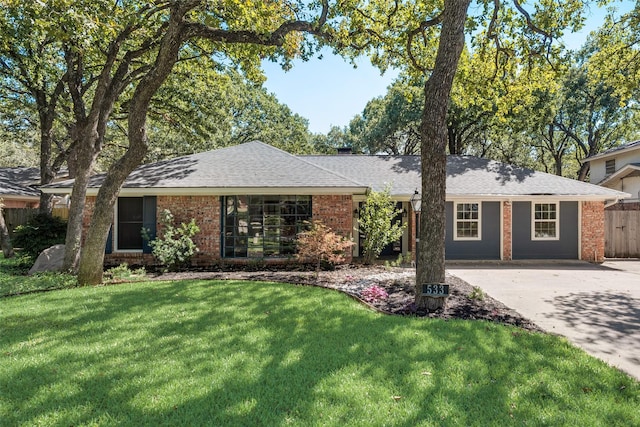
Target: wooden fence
column 19, row 216
column 14, row 217
column 622, row 234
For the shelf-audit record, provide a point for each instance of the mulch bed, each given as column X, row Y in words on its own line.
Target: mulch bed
column 398, row 283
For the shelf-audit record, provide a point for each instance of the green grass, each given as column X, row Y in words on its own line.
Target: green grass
column 245, row 353
column 14, row 279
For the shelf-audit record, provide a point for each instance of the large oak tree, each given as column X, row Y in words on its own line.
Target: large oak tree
column 428, row 37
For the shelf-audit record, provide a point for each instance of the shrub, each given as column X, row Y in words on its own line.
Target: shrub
column 175, row 247
column 377, row 223
column 477, row 293
column 320, row 244
column 124, row 273
column 373, row 294
column 39, row 233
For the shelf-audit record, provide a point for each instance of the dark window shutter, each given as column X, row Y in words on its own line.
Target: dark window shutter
column 109, row 246
column 149, row 221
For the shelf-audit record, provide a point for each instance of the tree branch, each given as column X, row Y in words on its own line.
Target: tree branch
column 530, row 23
column 420, row 30
column 275, row 38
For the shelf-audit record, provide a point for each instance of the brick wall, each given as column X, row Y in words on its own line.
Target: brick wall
column 206, row 212
column 506, row 231
column 204, row 209
column 592, row 232
column 336, row 212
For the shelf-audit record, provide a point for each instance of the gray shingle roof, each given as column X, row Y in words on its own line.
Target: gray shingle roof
column 15, row 182
column 401, row 172
column 472, row 175
column 253, row 164
column 466, row 176
column 612, row 151
column 257, row 165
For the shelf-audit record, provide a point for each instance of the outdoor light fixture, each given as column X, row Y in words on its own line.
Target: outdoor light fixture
column 416, row 201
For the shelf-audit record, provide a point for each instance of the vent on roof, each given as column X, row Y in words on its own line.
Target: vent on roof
column 343, row 151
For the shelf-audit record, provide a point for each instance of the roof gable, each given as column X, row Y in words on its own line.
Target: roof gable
column 632, row 169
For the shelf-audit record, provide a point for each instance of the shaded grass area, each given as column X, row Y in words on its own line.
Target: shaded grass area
column 247, row 353
column 14, row 279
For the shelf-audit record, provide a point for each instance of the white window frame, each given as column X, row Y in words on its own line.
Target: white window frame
column 456, row 220
column 116, row 247
column 556, row 220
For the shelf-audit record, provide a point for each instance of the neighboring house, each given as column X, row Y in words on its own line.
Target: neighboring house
column 619, row 169
column 251, row 200
column 17, row 187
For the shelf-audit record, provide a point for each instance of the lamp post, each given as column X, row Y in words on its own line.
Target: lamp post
column 416, row 204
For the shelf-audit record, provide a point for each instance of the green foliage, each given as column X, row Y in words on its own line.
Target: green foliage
column 122, row 273
column 477, row 293
column 390, row 124
column 39, row 233
column 377, row 223
column 616, row 61
column 175, row 247
column 203, row 107
column 18, row 147
column 321, row 244
column 401, row 261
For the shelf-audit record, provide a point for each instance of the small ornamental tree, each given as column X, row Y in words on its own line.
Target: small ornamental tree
column 377, row 223
column 320, row 244
column 175, row 247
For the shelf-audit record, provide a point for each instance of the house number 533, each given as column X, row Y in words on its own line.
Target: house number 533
column 435, row 290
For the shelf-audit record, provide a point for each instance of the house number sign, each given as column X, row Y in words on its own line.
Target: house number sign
column 436, row 290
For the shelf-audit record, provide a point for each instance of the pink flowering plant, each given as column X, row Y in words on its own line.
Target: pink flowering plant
column 373, row 294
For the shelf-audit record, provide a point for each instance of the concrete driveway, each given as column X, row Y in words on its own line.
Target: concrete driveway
column 597, row 307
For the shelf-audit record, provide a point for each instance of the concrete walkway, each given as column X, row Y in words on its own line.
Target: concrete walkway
column 597, row 307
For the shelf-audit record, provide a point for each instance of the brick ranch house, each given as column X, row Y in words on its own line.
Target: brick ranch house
column 251, row 200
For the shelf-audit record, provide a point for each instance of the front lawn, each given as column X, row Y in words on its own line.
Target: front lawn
column 247, row 353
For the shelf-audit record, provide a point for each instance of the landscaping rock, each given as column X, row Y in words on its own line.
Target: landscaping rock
column 49, row 260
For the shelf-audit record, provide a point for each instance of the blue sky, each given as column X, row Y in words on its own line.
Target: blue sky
column 331, row 91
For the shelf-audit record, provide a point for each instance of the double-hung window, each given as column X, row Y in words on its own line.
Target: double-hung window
column 132, row 214
column 467, row 221
column 545, row 218
column 129, row 223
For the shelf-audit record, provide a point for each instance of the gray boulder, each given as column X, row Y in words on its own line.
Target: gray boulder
column 49, row 260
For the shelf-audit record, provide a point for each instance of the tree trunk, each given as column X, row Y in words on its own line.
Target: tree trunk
column 431, row 262
column 92, row 257
column 46, row 174
column 5, row 241
column 86, row 159
column 584, row 171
